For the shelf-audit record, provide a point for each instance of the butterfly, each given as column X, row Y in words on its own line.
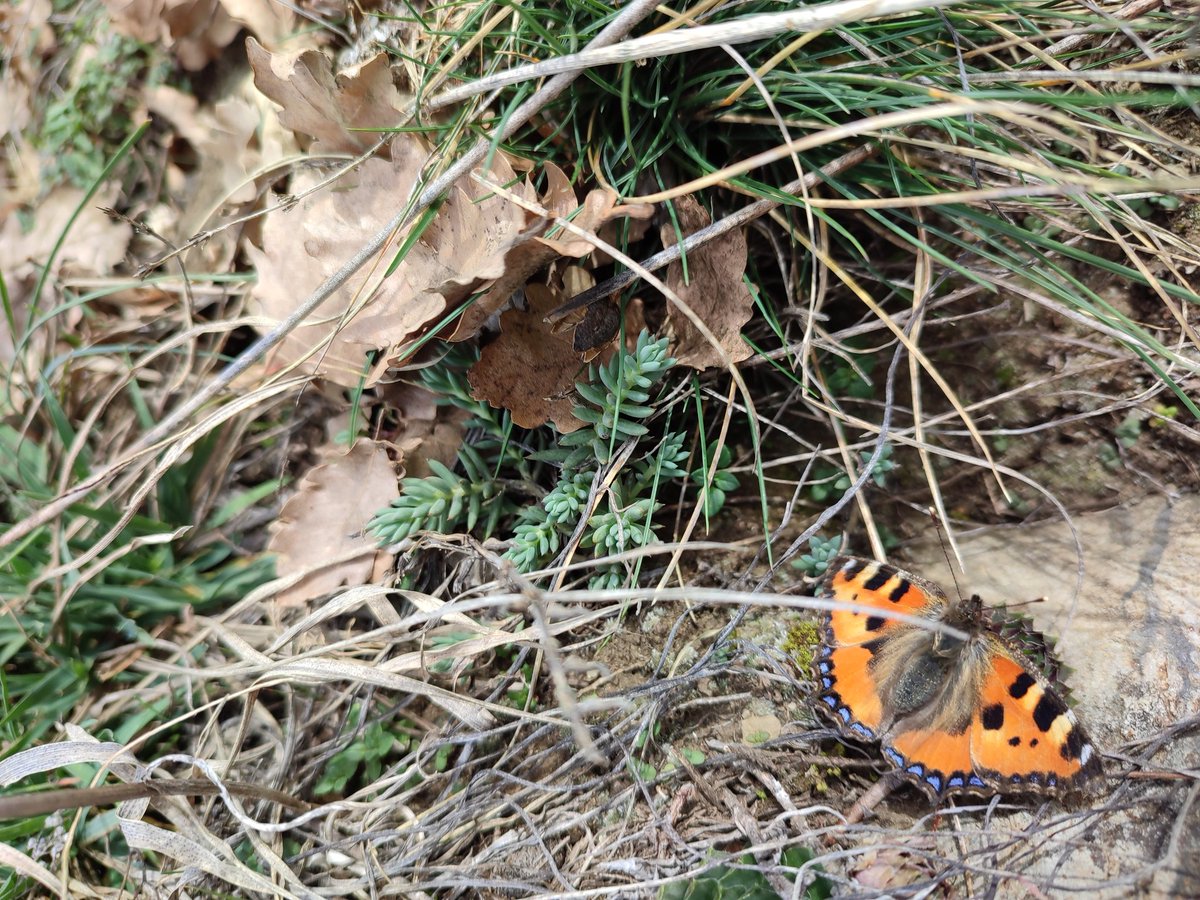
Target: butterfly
column 952, row 715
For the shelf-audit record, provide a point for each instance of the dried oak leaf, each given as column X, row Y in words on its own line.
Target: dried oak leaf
column 324, row 105
column 195, row 31
column 529, row 370
column 233, row 141
column 303, row 245
column 534, row 252
column 326, row 519
column 714, row 291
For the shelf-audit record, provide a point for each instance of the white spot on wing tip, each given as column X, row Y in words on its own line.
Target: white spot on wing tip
column 1085, row 754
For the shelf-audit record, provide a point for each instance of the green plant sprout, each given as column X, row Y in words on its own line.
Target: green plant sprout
column 93, row 113
column 364, row 757
column 616, row 403
column 746, row 881
column 821, row 552
column 827, row 482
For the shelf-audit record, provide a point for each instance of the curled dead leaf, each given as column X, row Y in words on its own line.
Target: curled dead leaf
column 327, row 106
column 305, row 244
column 195, row 31
column 534, row 252
column 714, row 291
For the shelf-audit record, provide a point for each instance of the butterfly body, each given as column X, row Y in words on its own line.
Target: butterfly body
column 956, row 707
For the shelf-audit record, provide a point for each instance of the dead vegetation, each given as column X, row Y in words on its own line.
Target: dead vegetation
column 293, row 285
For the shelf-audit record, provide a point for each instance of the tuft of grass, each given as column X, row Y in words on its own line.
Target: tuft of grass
column 58, row 637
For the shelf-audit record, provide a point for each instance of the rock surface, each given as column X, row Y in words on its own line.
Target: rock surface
column 1122, row 597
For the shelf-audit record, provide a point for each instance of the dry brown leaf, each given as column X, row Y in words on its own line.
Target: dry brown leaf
column 599, row 209
column 94, row 246
column 142, row 20
column 223, row 138
column 25, row 32
column 306, row 243
column 270, row 21
column 474, row 239
column 26, row 38
column 326, row 519
column 528, row 370
column 424, row 430
column 325, row 106
column 714, row 291
column 195, row 31
column 892, row 868
column 303, row 245
column 534, row 252
column 231, row 142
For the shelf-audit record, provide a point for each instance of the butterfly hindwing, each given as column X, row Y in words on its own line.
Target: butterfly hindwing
column 937, row 761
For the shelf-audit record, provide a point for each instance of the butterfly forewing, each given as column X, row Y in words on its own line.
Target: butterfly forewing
column 1024, row 733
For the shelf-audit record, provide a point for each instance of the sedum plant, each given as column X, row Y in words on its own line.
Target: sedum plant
column 616, row 402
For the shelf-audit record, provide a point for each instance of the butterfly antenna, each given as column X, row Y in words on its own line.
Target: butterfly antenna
column 942, row 536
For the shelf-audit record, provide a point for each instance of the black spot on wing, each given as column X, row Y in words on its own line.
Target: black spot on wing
column 992, row 717
column 872, row 647
column 1021, row 685
column 852, row 569
column 1047, row 710
column 874, row 623
column 899, row 591
column 1014, row 742
column 879, row 579
column 1073, row 746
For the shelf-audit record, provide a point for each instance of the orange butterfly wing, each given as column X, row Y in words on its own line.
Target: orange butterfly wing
column 1024, row 735
column 848, row 688
column 1021, row 734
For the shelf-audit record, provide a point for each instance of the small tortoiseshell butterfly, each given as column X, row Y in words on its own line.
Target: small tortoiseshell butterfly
column 953, row 716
